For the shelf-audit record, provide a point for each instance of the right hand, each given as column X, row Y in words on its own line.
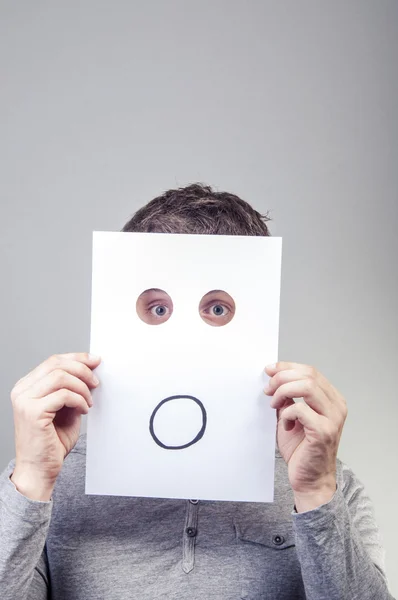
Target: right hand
column 48, row 404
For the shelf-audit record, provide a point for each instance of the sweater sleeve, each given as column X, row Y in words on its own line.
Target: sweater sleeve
column 339, row 548
column 23, row 529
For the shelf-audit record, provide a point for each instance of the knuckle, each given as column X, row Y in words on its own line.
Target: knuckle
column 63, row 394
column 81, row 357
column 312, row 372
column 310, row 385
column 83, row 391
column 275, row 381
column 283, row 413
column 81, row 398
column 83, row 371
column 53, row 360
column 275, row 398
column 290, row 410
column 81, row 382
column 59, row 375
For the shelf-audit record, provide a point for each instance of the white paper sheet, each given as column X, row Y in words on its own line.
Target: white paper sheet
column 219, row 371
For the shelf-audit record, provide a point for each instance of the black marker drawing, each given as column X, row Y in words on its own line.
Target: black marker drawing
column 198, row 436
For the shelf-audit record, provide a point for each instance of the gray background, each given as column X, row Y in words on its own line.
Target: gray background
column 292, row 105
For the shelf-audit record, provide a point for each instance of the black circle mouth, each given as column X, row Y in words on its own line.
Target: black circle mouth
column 198, row 436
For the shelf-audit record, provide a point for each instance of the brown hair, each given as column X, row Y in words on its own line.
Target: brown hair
column 197, row 208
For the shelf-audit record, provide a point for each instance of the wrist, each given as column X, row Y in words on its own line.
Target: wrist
column 31, row 485
column 312, row 498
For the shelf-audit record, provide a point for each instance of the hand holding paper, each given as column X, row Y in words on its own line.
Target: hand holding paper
column 309, row 432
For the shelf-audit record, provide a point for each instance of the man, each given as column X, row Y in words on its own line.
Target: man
column 318, row 540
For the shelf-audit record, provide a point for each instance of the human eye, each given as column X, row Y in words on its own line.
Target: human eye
column 154, row 306
column 159, row 310
column 217, row 310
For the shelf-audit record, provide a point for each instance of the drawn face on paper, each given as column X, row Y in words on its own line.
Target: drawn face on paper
column 185, row 325
column 155, row 307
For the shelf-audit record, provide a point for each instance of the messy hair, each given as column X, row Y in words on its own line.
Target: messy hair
column 197, row 208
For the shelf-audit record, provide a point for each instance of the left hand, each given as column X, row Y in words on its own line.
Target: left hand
column 309, row 432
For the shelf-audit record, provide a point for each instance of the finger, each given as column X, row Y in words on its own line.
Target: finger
column 285, row 405
column 282, row 377
column 311, row 372
column 78, row 368
column 286, row 376
column 306, row 370
column 57, row 400
column 55, row 361
column 299, row 411
column 57, row 380
column 313, row 395
column 283, row 366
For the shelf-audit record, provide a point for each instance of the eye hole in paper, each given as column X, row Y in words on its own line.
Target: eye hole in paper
column 154, row 306
column 217, row 308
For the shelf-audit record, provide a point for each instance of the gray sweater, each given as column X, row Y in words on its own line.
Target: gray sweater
column 79, row 547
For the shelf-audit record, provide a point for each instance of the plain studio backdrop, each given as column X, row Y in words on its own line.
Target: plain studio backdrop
column 292, row 105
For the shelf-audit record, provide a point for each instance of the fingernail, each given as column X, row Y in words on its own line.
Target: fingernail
column 267, row 389
column 94, row 357
column 271, row 367
column 95, row 380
